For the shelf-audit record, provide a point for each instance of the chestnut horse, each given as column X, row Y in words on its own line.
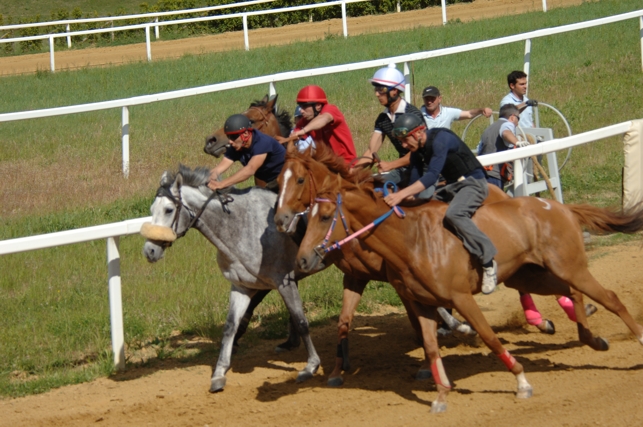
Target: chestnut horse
column 298, row 181
column 263, row 116
column 540, row 250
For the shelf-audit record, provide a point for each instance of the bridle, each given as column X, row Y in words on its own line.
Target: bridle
column 263, row 115
column 322, row 249
column 224, row 199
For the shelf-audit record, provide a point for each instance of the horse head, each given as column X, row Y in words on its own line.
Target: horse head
column 171, row 218
column 264, row 117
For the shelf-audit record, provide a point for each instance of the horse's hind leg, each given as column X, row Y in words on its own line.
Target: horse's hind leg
column 427, row 317
column 239, row 301
column 353, row 289
column 245, row 320
column 584, row 282
column 466, row 305
column 290, row 294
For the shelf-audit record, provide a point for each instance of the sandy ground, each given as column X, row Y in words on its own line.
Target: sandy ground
column 573, row 385
column 479, row 9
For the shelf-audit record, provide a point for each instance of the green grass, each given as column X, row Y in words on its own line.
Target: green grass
column 64, row 172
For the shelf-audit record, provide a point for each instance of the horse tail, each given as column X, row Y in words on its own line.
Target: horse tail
column 608, row 221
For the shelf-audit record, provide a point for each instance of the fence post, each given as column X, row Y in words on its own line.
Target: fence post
column 115, row 302
column 148, row 43
column 527, row 61
column 156, row 28
column 408, row 88
column 444, row 12
column 125, row 140
column 51, row 54
column 641, row 35
column 344, row 24
column 68, row 37
column 399, row 7
column 271, row 89
column 245, row 32
column 544, row 5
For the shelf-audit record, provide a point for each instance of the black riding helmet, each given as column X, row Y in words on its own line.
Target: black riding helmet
column 406, row 124
column 236, row 124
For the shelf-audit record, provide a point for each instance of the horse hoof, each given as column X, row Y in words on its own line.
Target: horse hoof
column 437, row 407
column 590, row 309
column 423, row 374
column 304, row 376
column 602, row 344
column 547, row 327
column 466, row 329
column 525, row 393
column 217, row 384
column 335, row 382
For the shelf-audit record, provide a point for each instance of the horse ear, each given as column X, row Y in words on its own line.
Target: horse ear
column 271, row 102
column 176, row 185
column 166, row 179
column 290, row 147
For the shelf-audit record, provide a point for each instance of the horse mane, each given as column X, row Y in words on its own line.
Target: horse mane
column 197, row 177
column 283, row 118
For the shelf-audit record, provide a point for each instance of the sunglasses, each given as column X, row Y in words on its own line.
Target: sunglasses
column 403, row 132
column 234, row 136
column 304, row 105
column 382, row 90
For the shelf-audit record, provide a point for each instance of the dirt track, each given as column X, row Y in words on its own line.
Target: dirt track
column 573, row 385
column 479, row 9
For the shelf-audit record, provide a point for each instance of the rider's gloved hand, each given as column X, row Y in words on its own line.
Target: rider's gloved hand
column 521, row 144
column 531, row 103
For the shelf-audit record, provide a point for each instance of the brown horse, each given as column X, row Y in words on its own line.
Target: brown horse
column 540, row 250
column 263, row 116
column 298, row 183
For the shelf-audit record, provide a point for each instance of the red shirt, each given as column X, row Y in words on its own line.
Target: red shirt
column 336, row 134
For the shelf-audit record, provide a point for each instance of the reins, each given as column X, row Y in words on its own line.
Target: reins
column 322, row 250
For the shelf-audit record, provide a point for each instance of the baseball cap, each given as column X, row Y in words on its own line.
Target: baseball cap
column 430, row 91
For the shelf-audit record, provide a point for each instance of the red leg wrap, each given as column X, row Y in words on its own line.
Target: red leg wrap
column 508, row 360
column 532, row 314
column 568, row 306
column 439, row 375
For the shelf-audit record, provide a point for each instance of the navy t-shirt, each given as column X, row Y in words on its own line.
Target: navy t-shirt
column 261, row 144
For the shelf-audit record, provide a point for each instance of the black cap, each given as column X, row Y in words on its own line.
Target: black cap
column 430, row 91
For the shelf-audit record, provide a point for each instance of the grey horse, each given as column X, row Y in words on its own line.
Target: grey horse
column 251, row 254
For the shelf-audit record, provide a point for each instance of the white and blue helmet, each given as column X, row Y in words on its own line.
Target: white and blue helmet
column 390, row 77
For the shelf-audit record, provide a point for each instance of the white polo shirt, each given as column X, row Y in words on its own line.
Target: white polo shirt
column 446, row 116
column 526, row 116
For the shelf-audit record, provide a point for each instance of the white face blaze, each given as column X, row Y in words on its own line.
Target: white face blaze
column 315, row 210
column 546, row 203
column 287, row 175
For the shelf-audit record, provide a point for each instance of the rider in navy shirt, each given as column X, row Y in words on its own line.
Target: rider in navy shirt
column 440, row 151
column 260, row 155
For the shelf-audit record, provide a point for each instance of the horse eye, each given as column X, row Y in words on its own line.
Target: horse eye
column 325, row 217
column 300, row 180
column 169, row 210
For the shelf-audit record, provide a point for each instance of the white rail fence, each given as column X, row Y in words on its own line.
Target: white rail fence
column 154, row 17
column 112, row 232
column 125, row 104
column 148, row 26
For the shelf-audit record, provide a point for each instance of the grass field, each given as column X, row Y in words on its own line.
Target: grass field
column 64, row 172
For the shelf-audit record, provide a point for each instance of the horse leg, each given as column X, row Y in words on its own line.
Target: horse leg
column 239, row 302
column 568, row 307
column 353, row 289
column 533, row 316
column 245, row 320
column 466, row 305
column 290, row 294
column 427, row 317
column 293, row 341
column 454, row 324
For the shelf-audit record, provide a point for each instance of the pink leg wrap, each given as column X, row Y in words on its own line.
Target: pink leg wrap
column 568, row 307
column 531, row 312
column 439, row 375
column 507, row 359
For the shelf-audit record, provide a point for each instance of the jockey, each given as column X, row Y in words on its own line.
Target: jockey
column 323, row 122
column 444, row 153
column 261, row 155
column 388, row 84
column 306, row 142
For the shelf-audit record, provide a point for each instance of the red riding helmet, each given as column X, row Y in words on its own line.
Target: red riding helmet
column 310, row 94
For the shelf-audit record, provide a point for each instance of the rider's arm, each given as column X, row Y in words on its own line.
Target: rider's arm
column 223, row 166
column 373, row 147
column 469, row 114
column 246, row 172
column 317, row 123
column 389, row 166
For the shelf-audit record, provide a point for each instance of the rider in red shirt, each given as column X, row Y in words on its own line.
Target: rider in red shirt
column 324, row 122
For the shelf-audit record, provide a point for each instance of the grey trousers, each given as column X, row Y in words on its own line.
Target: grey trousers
column 464, row 198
